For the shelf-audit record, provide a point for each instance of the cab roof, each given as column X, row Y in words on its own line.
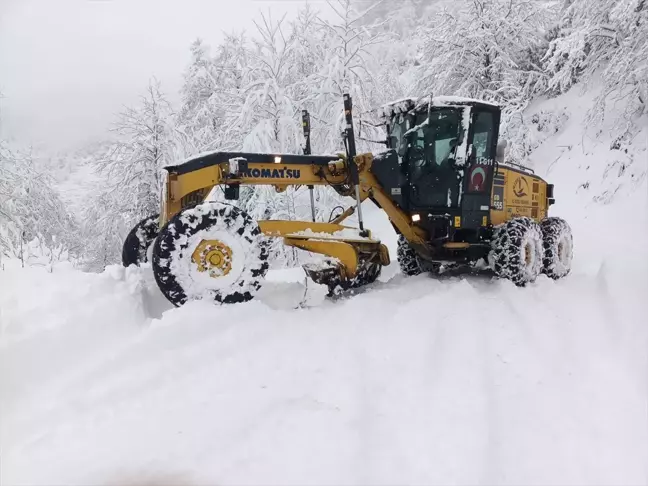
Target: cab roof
column 406, row 105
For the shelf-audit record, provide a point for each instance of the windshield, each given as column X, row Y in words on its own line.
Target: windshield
column 431, row 152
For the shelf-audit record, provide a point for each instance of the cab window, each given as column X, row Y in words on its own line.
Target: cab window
column 483, row 135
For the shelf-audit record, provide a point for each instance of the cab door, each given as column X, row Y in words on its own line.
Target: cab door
column 478, row 179
column 434, row 147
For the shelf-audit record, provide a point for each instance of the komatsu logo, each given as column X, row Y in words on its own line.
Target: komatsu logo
column 284, row 173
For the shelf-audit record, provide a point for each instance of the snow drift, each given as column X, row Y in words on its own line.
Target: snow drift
column 462, row 380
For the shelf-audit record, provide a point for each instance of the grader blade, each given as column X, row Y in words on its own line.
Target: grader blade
column 336, row 277
column 328, row 272
column 350, row 260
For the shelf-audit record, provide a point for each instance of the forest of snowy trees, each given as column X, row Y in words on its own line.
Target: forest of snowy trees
column 247, row 93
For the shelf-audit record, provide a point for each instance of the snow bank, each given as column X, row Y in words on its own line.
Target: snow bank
column 55, row 321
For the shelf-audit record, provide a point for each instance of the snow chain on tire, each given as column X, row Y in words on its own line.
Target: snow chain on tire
column 139, row 240
column 411, row 264
column 218, row 227
column 517, row 251
column 558, row 246
column 408, row 260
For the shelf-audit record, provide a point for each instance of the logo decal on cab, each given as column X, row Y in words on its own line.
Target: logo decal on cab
column 520, row 186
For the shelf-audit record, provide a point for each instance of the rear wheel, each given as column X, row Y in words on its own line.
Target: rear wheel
column 517, row 251
column 558, row 246
column 210, row 251
column 139, row 240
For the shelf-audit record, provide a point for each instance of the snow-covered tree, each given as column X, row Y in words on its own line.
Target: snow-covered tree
column 626, row 73
column 349, row 67
column 31, row 209
column 306, row 56
column 198, row 120
column 271, row 111
column 212, row 96
column 584, row 40
column 131, row 174
column 400, row 23
column 104, row 230
column 486, row 49
column 607, row 38
column 133, row 165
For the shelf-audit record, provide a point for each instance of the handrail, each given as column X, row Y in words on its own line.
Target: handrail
column 514, row 164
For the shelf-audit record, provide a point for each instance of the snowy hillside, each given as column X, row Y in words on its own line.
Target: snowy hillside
column 457, row 380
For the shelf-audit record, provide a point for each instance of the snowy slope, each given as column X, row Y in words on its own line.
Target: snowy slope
column 459, row 380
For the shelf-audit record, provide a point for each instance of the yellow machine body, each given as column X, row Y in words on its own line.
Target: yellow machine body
column 517, row 193
column 331, row 239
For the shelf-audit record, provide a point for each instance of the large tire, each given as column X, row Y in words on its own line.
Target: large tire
column 139, row 240
column 411, row 264
column 188, row 240
column 558, row 244
column 408, row 260
column 517, row 251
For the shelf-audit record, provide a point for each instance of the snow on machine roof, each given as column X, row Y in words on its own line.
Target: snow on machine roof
column 405, row 105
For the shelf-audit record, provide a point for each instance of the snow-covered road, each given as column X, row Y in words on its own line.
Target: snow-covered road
column 463, row 380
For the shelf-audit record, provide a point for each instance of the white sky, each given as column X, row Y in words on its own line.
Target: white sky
column 68, row 66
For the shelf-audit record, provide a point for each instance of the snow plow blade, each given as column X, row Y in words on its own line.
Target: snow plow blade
column 336, row 276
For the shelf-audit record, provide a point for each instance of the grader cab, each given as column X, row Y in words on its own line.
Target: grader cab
column 443, row 182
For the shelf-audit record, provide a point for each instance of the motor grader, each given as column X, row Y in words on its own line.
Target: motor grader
column 442, row 180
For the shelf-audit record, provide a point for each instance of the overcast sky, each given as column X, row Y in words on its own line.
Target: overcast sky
column 67, row 66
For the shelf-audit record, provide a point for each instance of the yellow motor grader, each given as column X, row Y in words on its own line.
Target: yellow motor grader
column 442, row 181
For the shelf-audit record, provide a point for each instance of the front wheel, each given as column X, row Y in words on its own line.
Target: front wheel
column 408, row 260
column 210, row 251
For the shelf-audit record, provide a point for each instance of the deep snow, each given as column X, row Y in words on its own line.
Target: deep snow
column 455, row 380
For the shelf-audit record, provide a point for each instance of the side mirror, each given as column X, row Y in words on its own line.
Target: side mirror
column 471, row 156
column 500, row 152
column 402, row 149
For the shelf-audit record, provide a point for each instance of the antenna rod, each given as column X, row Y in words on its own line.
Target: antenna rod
column 306, row 128
column 307, row 151
column 351, row 149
